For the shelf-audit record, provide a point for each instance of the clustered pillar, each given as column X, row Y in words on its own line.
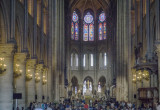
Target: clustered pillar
column 39, row 90
column 30, row 80
column 19, row 76
column 6, row 77
column 123, row 35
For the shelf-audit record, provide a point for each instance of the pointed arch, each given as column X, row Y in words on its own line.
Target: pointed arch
column 19, row 34
column 75, row 25
column 4, row 23
column 102, row 26
column 88, row 26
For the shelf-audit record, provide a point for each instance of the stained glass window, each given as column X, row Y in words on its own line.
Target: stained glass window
column 102, row 26
column 88, row 28
column 75, row 27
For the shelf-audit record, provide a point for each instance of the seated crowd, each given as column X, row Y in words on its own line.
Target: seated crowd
column 95, row 105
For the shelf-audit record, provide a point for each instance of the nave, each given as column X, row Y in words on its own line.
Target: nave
column 102, row 53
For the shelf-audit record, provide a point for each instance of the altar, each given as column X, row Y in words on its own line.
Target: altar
column 88, row 93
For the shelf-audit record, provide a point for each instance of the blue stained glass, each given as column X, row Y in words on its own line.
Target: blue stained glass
column 85, row 32
column 91, row 32
column 100, row 31
column 74, row 27
column 76, row 31
column 88, row 18
column 75, row 17
column 72, row 31
column 102, row 26
column 102, row 17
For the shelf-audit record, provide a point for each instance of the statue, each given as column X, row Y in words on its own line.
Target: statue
column 137, row 51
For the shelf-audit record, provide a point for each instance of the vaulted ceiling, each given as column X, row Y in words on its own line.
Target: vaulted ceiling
column 89, row 4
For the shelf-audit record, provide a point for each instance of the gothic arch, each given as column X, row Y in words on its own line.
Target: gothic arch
column 29, row 41
column 74, row 50
column 103, row 80
column 18, row 34
column 4, row 35
column 88, row 77
column 74, row 81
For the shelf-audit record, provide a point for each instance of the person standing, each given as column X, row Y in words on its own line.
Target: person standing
column 86, row 106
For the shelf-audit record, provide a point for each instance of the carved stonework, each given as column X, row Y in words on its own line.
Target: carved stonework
column 6, row 50
column 158, row 49
column 39, row 68
column 31, row 63
column 20, row 57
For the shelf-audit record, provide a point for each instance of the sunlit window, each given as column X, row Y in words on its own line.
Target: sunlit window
column 105, row 59
column 84, row 60
column 91, row 59
column 76, row 57
column 99, row 87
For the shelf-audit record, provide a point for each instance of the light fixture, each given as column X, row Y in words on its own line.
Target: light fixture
column 17, row 71
column 37, row 77
column 44, row 80
column 28, row 76
column 139, row 75
column 2, row 66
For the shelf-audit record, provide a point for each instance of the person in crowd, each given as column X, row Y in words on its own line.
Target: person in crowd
column 86, row 106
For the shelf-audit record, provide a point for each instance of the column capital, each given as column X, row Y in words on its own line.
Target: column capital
column 39, row 67
column 158, row 48
column 20, row 57
column 7, row 50
column 44, row 69
column 31, row 63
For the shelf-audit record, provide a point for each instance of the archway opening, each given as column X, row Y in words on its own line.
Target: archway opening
column 87, row 86
column 101, row 85
column 74, row 85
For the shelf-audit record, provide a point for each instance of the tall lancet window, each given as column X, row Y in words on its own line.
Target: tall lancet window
column 102, row 26
column 91, row 59
column 76, row 58
column 105, row 59
column 75, row 26
column 88, row 27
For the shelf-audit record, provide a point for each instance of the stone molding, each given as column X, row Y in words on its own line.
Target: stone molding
column 39, row 68
column 31, row 63
column 20, row 57
column 158, row 49
column 7, row 50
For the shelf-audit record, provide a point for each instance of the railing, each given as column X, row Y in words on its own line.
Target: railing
column 147, row 94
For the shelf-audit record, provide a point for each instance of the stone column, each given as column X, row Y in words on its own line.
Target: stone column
column 158, row 40
column 123, row 63
column 12, row 21
column 30, row 84
column 152, row 80
column 141, row 20
column 41, row 35
column 39, row 90
column 6, row 78
column 155, row 80
column 157, row 20
column 20, row 66
column 34, row 29
column 44, row 85
column 136, row 21
column 25, row 25
column 149, row 53
column 158, row 54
